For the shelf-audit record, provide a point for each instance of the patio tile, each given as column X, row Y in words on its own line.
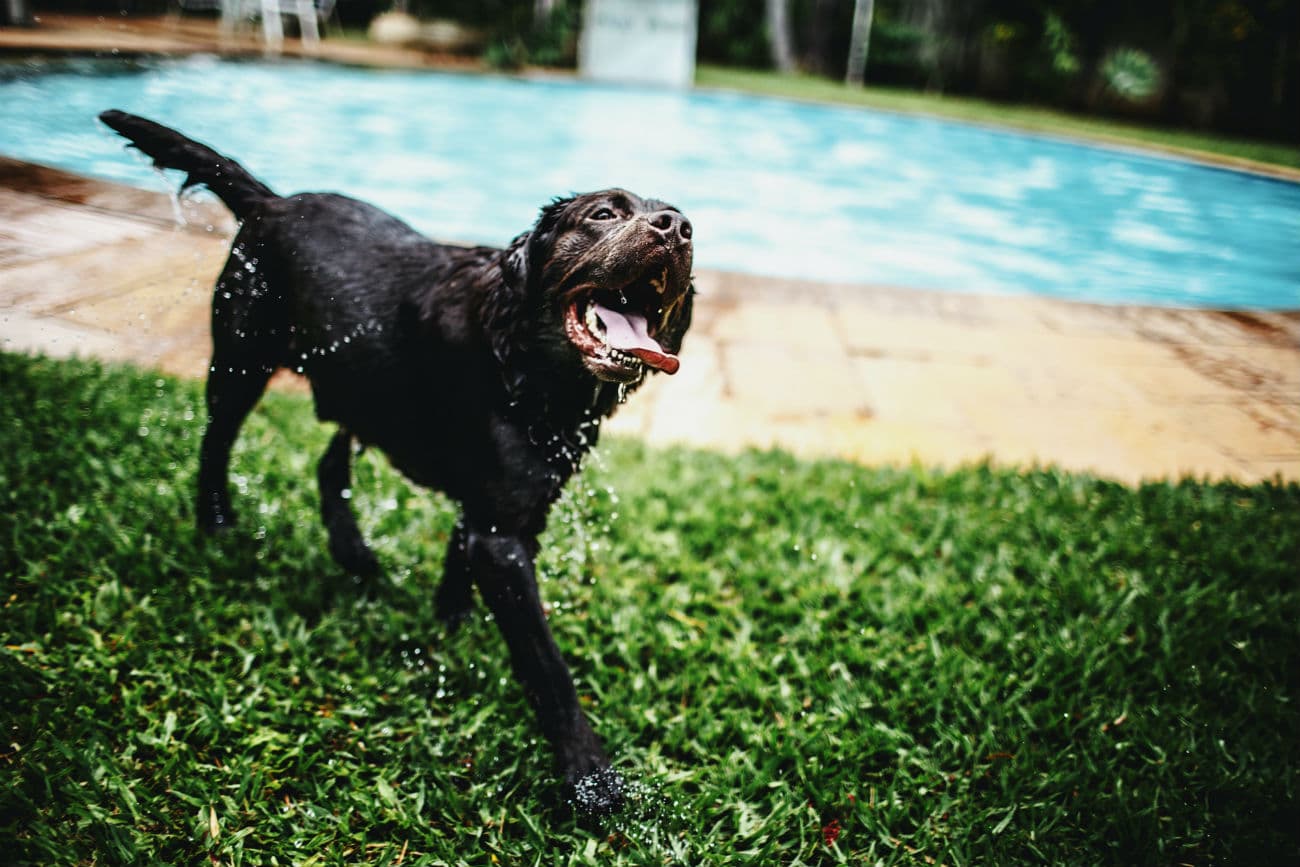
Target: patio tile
column 37, row 228
column 791, row 380
column 875, row 334
column 1176, row 385
column 161, row 300
column 21, row 331
column 919, row 392
column 777, row 325
column 1251, row 369
column 1111, row 443
column 60, row 283
column 1241, row 433
column 1269, row 471
column 1213, row 329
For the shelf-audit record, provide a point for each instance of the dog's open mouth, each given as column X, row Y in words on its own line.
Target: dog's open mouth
column 615, row 332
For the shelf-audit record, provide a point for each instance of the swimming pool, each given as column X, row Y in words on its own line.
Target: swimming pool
column 773, row 187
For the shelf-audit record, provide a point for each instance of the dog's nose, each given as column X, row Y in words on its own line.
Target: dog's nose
column 671, row 224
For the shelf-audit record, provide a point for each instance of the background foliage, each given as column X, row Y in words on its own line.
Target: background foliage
column 1226, row 65
column 1232, row 65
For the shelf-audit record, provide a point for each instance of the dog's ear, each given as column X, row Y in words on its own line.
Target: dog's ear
column 505, row 310
column 542, row 237
column 549, row 219
column 514, row 265
column 531, row 247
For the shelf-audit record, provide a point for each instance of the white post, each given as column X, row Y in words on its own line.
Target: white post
column 229, row 16
column 638, row 41
column 859, row 41
column 307, row 28
column 17, row 10
column 778, row 27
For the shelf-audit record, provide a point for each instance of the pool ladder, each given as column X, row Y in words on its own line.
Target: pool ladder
column 310, row 13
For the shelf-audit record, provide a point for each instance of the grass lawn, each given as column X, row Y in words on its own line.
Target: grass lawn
column 1020, row 116
column 795, row 662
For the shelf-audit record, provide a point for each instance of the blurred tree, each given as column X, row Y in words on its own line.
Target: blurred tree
column 778, row 29
column 859, row 41
column 825, row 35
column 1232, row 65
column 952, row 33
column 734, row 32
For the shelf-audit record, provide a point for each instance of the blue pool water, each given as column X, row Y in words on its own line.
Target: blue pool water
column 773, row 187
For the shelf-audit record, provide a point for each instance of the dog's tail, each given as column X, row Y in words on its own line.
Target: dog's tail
column 170, row 150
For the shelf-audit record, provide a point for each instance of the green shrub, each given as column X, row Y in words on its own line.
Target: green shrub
column 1131, row 74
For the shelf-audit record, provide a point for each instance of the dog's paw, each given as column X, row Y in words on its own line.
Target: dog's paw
column 599, row 793
column 212, row 512
column 594, row 787
column 355, row 557
column 453, row 604
column 214, row 521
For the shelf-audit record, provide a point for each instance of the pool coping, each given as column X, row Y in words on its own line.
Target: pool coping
column 199, row 36
column 872, row 374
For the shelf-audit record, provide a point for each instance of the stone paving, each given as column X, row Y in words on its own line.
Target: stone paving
column 871, row 374
column 173, row 35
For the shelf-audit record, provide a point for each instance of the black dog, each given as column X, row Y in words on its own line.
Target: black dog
column 481, row 372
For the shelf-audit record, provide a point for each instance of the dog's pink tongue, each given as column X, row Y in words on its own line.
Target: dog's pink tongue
column 627, row 331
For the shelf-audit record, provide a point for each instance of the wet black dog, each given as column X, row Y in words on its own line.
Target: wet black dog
column 481, row 372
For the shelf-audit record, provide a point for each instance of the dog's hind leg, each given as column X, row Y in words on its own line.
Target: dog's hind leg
column 246, row 350
column 231, row 394
column 334, row 473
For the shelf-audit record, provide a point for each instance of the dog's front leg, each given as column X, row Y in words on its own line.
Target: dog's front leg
column 454, row 601
column 502, row 564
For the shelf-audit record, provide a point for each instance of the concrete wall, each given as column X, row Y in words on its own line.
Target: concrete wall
column 639, row 41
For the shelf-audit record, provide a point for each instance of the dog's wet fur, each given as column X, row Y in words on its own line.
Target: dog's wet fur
column 480, row 372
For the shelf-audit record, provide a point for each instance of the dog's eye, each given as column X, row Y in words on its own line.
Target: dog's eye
column 602, row 214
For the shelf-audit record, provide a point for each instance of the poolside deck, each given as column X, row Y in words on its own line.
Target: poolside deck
column 178, row 35
column 868, row 373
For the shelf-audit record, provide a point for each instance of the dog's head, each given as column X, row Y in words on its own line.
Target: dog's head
column 605, row 280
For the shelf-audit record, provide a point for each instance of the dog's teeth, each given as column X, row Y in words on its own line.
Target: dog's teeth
column 624, row 358
column 594, row 325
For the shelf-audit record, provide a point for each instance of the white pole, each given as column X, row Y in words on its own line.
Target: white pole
column 859, row 41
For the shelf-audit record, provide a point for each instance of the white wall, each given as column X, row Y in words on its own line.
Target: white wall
column 642, row 41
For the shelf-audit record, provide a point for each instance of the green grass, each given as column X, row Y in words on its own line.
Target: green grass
column 1019, row 116
column 796, row 662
